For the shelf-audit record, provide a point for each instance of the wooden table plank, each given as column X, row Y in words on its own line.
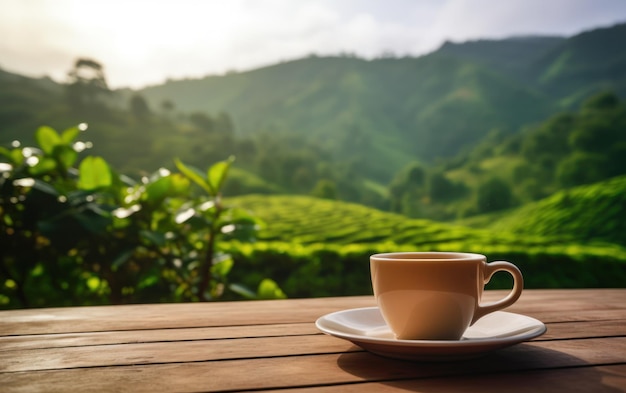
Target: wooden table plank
column 314, row 370
column 274, row 345
column 561, row 330
column 169, row 352
column 604, row 379
column 168, row 316
column 194, row 344
column 171, row 316
column 60, row 340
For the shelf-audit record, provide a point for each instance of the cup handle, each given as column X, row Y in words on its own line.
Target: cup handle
column 516, row 292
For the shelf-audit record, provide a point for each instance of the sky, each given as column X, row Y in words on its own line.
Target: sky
column 146, row 42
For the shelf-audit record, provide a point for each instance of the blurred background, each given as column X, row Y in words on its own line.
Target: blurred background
column 355, row 127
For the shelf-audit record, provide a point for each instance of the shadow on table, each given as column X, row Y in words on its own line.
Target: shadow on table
column 521, row 368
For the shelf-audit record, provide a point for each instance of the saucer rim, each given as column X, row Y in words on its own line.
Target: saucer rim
column 467, row 343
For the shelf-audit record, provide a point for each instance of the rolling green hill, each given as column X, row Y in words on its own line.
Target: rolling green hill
column 512, row 56
column 315, row 247
column 406, row 109
column 572, row 70
column 569, row 149
column 354, row 125
column 308, row 220
column 584, row 213
column 396, row 108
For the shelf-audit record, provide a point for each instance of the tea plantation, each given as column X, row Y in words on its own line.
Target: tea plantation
column 316, row 247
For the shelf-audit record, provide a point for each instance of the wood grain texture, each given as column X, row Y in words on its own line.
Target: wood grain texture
column 316, row 370
column 607, row 379
column 270, row 345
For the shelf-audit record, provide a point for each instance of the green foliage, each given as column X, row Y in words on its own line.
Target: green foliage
column 331, row 269
column 89, row 235
column 325, row 189
column 317, row 247
column 354, row 122
column 586, row 213
column 383, row 132
column 389, row 108
column 573, row 70
column 492, row 195
column 567, row 150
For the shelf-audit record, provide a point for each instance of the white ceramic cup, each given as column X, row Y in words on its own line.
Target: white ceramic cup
column 436, row 295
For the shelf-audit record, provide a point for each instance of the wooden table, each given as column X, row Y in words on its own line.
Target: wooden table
column 274, row 345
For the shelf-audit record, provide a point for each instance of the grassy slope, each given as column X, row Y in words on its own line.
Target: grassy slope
column 401, row 105
column 585, row 213
column 315, row 247
column 571, row 71
column 308, row 220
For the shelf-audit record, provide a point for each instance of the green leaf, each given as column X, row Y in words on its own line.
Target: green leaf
column 222, row 268
column 94, row 173
column 158, row 190
column 217, row 173
column 156, row 238
column 194, row 175
column 5, row 152
column 122, row 258
column 66, row 155
column 17, row 156
column 268, row 289
column 242, row 291
column 68, row 136
column 168, row 186
column 44, row 165
column 180, row 185
column 93, row 283
column 45, row 188
column 149, row 281
column 47, row 138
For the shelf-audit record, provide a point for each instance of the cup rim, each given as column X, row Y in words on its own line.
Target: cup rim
column 428, row 256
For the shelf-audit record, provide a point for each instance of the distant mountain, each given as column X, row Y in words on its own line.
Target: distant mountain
column 566, row 69
column 583, row 64
column 511, row 55
column 403, row 109
column 376, row 115
column 24, row 104
column 393, row 109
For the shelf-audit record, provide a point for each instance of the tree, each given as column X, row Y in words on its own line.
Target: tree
column 325, row 189
column 550, row 138
column 86, row 82
column 492, row 195
column 167, row 106
column 601, row 101
column 441, row 189
column 202, row 122
column 581, row 168
column 409, row 181
column 224, row 124
column 139, row 107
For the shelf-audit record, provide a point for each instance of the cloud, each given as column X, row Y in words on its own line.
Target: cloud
column 144, row 42
column 472, row 19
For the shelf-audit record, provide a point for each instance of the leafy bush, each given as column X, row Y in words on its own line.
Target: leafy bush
column 317, row 247
column 316, row 270
column 89, row 235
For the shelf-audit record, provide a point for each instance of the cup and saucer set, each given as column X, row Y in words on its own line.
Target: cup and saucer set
column 429, row 309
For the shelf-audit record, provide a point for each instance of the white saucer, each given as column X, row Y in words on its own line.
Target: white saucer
column 366, row 328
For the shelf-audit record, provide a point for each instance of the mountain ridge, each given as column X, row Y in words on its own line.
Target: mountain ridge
column 377, row 116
